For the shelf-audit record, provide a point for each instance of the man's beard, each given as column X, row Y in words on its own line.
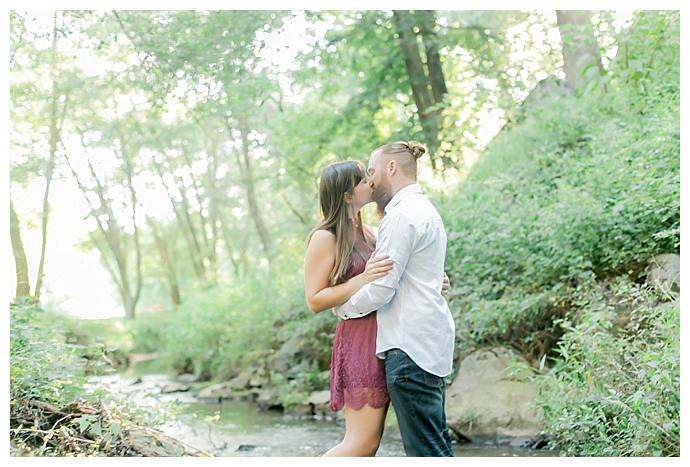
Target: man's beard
column 381, row 196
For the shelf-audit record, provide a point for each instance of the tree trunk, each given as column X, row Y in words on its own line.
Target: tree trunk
column 20, row 264
column 248, row 181
column 433, row 59
column 187, row 230
column 436, row 77
column 404, row 24
column 581, row 57
column 129, row 172
column 50, row 167
column 208, row 254
column 115, row 239
column 192, row 234
column 213, row 205
column 168, row 261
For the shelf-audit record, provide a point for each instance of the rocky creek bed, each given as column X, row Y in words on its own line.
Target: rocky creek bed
column 238, row 426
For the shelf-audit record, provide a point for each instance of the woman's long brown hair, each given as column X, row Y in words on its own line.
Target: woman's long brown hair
column 336, row 180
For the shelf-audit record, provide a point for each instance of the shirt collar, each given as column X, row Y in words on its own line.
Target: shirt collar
column 402, row 193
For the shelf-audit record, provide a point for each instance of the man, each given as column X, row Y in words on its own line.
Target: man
column 416, row 332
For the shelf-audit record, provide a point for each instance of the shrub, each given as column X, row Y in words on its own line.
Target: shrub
column 42, row 365
column 615, row 391
column 586, row 187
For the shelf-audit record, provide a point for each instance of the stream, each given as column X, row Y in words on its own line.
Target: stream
column 238, row 428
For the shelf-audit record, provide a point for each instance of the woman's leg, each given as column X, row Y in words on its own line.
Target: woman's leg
column 363, row 431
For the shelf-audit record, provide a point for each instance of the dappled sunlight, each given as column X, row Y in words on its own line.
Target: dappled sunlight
column 167, row 169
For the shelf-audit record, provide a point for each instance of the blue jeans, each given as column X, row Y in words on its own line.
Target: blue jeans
column 418, row 398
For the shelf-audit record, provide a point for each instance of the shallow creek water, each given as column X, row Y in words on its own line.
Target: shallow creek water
column 239, row 429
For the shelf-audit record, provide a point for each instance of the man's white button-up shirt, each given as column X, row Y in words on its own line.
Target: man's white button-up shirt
column 412, row 314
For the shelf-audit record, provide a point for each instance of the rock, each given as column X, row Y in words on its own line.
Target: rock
column 486, row 401
column 319, row 401
column 664, row 272
column 286, row 355
column 235, row 389
column 239, row 382
column 299, row 411
column 217, row 392
column 245, row 395
column 187, row 378
column 544, row 93
column 148, row 442
column 175, row 387
column 257, row 382
column 539, row 442
column 267, row 400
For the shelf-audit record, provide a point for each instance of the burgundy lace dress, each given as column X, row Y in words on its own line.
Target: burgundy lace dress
column 358, row 377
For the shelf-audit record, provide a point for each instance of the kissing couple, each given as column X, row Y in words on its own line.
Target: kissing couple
column 395, row 338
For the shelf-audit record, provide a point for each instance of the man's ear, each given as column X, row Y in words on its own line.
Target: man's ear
column 392, row 166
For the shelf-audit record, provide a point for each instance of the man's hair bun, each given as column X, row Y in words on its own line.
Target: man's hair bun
column 417, row 150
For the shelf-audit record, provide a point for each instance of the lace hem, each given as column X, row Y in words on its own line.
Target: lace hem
column 356, row 398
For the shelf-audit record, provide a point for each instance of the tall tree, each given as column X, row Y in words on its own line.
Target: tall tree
column 218, row 50
column 245, row 167
column 417, row 29
column 428, row 28
column 166, row 251
column 115, row 245
column 55, row 114
column 419, row 82
column 581, row 57
column 21, row 266
column 41, row 91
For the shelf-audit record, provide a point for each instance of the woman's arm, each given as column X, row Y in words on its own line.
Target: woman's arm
column 318, row 263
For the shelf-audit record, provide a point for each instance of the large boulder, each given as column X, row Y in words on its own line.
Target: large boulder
column 664, row 271
column 241, row 381
column 488, row 400
column 286, row 356
column 267, row 399
column 319, row 401
column 217, row 392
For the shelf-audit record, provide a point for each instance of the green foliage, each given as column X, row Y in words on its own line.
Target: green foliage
column 647, row 65
column 615, row 391
column 584, row 187
column 42, row 365
column 49, row 360
column 220, row 328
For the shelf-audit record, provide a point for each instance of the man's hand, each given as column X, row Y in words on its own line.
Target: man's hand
column 446, row 285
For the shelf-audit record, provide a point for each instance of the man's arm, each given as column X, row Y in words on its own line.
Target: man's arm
column 396, row 239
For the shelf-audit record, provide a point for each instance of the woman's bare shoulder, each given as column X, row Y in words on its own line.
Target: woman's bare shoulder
column 322, row 239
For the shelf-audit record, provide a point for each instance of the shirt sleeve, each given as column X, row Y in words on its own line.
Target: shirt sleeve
column 396, row 238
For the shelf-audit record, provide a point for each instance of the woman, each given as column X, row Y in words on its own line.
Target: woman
column 335, row 268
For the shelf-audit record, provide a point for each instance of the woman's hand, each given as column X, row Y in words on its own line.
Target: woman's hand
column 446, row 285
column 377, row 267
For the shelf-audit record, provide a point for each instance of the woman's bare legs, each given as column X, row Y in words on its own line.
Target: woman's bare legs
column 363, row 431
